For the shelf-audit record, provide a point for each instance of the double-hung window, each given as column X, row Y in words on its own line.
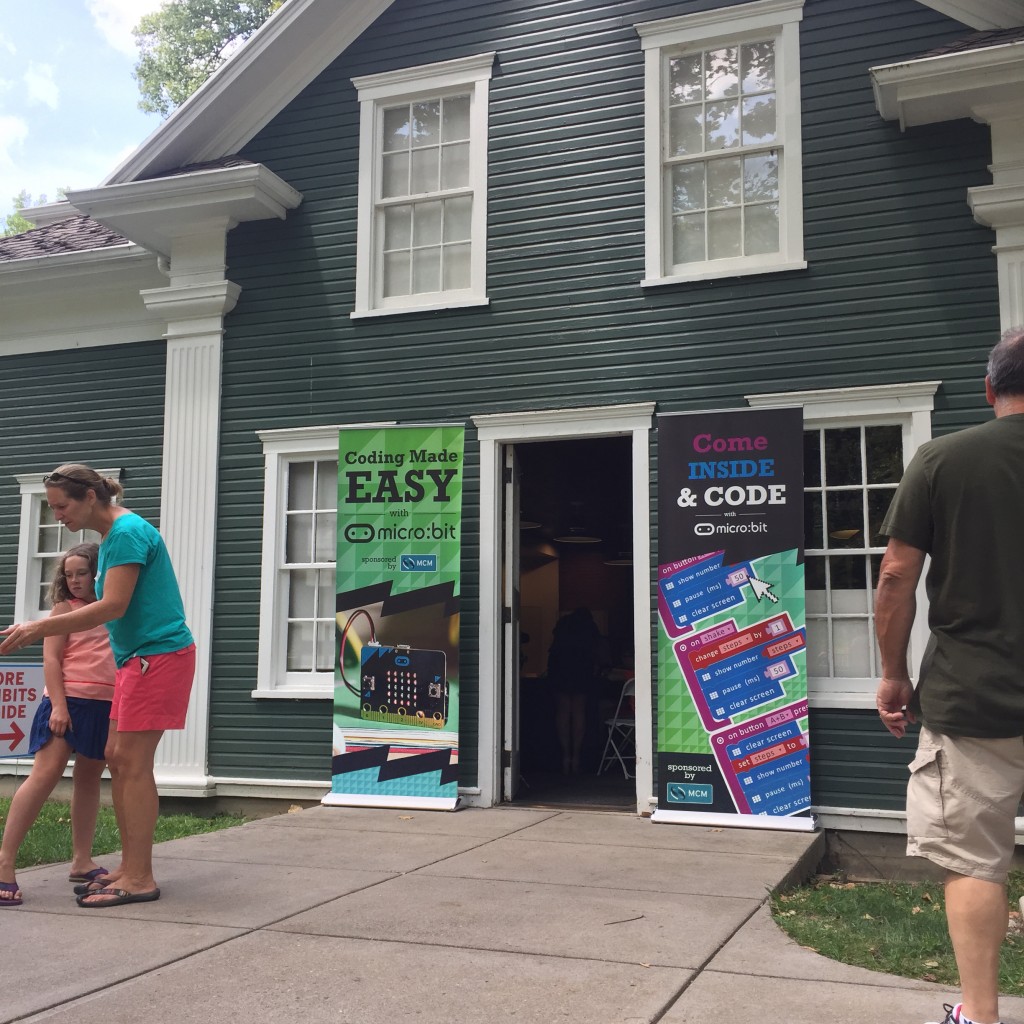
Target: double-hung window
column 857, row 442
column 723, row 175
column 423, row 187
column 42, row 541
column 298, row 626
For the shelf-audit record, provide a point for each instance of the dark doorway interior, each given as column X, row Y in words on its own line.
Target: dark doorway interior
column 575, row 553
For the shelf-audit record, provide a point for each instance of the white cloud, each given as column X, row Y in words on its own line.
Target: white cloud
column 13, row 132
column 115, row 20
column 8, row 45
column 41, row 86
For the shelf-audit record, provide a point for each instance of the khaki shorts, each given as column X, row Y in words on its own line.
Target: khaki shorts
column 962, row 800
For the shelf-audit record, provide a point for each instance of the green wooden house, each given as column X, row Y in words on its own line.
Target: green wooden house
column 548, row 222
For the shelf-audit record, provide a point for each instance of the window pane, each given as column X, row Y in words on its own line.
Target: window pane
column 878, row 505
column 300, row 485
column 300, row 646
column 723, row 182
column 455, row 114
column 758, row 120
column 761, row 229
column 722, row 125
column 396, row 175
column 302, row 593
column 842, row 457
column 398, row 227
column 326, row 537
column 814, row 575
column 455, row 165
column 458, row 219
column 724, row 233
column 851, row 653
column 49, row 538
column 884, row 454
column 760, row 178
column 757, row 66
column 396, row 129
column 687, row 188
column 425, row 170
column 428, row 224
column 813, row 529
column 456, row 266
column 426, row 270
column 844, row 514
column 326, row 484
column 46, row 515
column 848, row 579
column 817, row 647
column 426, row 121
column 396, row 274
column 325, row 584
column 686, row 78
column 688, row 239
column 685, row 130
column 325, row 646
column 723, row 72
column 812, row 458
column 299, row 538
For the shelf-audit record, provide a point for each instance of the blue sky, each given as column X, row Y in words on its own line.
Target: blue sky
column 68, row 102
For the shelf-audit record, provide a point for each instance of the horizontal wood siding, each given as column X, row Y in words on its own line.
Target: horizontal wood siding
column 901, row 282
column 857, row 763
column 100, row 406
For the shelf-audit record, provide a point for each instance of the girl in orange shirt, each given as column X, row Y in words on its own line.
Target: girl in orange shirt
column 72, row 718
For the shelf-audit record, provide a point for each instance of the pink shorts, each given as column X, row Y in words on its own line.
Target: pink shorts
column 151, row 691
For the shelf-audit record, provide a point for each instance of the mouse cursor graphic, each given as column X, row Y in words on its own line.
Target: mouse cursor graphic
column 762, row 589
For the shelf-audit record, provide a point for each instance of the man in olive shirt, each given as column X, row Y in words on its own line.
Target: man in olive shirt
column 961, row 501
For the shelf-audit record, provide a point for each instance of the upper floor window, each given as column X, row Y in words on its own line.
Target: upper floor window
column 724, row 193
column 423, row 187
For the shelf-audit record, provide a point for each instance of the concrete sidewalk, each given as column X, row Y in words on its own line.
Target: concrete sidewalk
column 355, row 916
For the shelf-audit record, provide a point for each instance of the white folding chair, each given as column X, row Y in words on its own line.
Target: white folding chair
column 621, row 742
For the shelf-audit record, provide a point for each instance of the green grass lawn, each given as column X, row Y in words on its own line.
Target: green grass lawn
column 49, row 840
column 895, row 927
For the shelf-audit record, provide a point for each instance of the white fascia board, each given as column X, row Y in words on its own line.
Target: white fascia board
column 155, row 211
column 950, row 86
column 981, row 14
column 61, row 265
column 275, row 64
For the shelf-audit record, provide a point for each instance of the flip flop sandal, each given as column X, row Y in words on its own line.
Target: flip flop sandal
column 89, row 876
column 84, row 888
column 12, row 901
column 121, row 897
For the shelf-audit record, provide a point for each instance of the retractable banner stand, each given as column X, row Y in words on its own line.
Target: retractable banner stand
column 733, row 745
column 396, row 696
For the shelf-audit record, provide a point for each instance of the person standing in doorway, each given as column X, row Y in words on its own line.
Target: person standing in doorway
column 72, row 718
column 139, row 601
column 572, row 672
column 960, row 502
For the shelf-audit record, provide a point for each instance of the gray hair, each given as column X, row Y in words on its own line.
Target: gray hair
column 1006, row 364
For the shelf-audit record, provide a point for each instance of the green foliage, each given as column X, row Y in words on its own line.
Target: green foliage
column 49, row 839
column 185, row 41
column 897, row 928
column 16, row 223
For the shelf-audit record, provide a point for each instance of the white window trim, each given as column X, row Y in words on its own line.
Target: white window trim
column 279, row 448
column 411, row 83
column 744, row 22
column 909, row 404
column 27, row 579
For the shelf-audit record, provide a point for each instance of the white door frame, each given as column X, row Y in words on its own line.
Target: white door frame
column 495, row 431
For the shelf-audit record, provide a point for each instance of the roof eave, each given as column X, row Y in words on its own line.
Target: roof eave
column 275, row 64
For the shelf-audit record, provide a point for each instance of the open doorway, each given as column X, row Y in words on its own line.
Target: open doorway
column 576, row 584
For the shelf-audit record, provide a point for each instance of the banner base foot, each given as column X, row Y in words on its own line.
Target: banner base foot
column 780, row 824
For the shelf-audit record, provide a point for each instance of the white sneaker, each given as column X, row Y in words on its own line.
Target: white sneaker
column 952, row 1015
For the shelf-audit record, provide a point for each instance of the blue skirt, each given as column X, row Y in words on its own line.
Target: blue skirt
column 90, row 721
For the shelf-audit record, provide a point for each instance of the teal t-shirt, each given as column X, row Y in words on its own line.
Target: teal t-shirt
column 154, row 622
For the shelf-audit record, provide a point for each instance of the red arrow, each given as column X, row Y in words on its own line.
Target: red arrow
column 15, row 735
